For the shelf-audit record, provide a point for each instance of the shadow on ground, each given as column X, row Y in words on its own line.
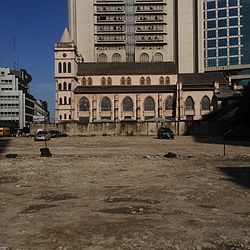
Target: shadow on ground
column 220, row 140
column 239, row 175
column 4, row 142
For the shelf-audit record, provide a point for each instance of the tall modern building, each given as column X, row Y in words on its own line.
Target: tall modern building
column 227, row 36
column 138, row 31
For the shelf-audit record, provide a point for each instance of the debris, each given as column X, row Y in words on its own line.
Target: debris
column 45, row 152
column 170, row 155
column 146, row 156
column 11, row 156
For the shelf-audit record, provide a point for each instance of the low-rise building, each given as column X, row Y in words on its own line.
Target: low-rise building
column 17, row 105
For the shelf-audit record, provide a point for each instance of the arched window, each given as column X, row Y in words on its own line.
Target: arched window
column 116, row 58
column 59, row 86
column 205, row 103
column 60, row 117
column 128, row 80
column 144, row 57
column 123, row 81
column 148, row 81
column 106, row 104
column 169, row 103
column 189, row 103
column 149, row 104
column 167, row 80
column 161, row 80
column 69, row 101
column 64, row 86
column 102, row 58
column 83, row 81
column 127, row 104
column 90, row 81
column 142, row 80
column 59, row 67
column 158, row 57
column 65, row 100
column 69, row 67
column 69, row 86
column 84, row 104
column 64, row 67
column 103, row 81
column 60, row 100
column 109, row 81
column 65, row 116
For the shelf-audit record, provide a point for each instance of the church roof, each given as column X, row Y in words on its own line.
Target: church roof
column 127, row 68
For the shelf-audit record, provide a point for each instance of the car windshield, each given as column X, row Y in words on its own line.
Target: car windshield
column 42, row 133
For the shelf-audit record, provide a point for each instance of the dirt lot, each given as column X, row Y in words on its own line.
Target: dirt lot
column 122, row 193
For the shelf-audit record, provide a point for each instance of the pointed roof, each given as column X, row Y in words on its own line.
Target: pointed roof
column 65, row 37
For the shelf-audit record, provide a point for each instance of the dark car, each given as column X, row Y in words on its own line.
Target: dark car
column 56, row 134
column 165, row 133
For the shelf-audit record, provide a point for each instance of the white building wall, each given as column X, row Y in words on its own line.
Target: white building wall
column 186, row 34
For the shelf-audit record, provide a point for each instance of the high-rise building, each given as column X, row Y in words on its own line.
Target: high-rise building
column 226, row 35
column 138, row 31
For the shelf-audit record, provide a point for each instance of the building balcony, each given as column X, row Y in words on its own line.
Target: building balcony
column 150, row 42
column 109, row 42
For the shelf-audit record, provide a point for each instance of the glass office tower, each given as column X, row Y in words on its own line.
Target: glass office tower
column 226, row 34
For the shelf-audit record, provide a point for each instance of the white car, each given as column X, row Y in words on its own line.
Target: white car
column 42, row 136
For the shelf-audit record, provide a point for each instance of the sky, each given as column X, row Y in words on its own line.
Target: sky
column 29, row 30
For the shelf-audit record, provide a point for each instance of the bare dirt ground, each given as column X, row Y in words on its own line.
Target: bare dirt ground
column 122, row 193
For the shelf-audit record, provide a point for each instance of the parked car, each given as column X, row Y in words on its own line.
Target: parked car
column 165, row 133
column 56, row 134
column 42, row 136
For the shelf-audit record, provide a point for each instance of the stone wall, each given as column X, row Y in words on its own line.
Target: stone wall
column 131, row 128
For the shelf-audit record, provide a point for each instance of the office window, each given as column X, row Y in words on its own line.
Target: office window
column 211, row 14
column 233, row 32
column 222, row 23
column 210, row 5
column 222, row 62
column 211, row 62
column 222, row 32
column 211, row 24
column 234, row 60
column 233, row 12
column 211, row 43
column 233, row 21
column 211, row 53
column 233, row 41
column 222, row 3
column 222, row 13
column 211, row 33
column 222, row 42
column 233, row 3
column 222, row 52
column 234, row 51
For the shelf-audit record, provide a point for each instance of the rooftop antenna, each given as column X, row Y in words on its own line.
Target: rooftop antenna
column 14, row 54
